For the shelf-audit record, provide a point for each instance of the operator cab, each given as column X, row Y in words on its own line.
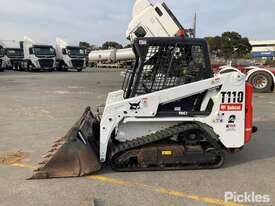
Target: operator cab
column 163, row 63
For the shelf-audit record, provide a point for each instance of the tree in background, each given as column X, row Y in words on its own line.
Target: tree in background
column 86, row 45
column 244, row 47
column 270, row 62
column 215, row 45
column 229, row 45
column 111, row 45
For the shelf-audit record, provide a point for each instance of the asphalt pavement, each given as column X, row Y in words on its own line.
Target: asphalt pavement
column 38, row 108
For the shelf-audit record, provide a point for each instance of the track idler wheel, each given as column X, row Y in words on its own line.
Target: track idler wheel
column 74, row 155
column 218, row 160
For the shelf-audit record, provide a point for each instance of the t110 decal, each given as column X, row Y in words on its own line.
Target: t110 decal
column 232, row 97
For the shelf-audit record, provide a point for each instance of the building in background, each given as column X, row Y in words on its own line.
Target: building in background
column 263, row 49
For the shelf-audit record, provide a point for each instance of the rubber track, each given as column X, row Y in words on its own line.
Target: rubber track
column 163, row 134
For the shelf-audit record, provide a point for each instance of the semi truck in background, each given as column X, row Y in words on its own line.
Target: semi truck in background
column 1, row 58
column 38, row 57
column 148, row 21
column 13, row 55
column 69, row 57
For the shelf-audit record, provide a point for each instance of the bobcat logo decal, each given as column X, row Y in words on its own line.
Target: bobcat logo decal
column 134, row 106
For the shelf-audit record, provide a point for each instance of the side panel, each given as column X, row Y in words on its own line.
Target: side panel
column 131, row 130
column 228, row 119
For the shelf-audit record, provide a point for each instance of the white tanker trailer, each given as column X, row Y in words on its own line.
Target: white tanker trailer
column 125, row 54
column 107, row 56
column 117, row 58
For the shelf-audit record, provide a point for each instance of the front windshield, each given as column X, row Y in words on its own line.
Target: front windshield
column 14, row 52
column 45, row 50
column 76, row 51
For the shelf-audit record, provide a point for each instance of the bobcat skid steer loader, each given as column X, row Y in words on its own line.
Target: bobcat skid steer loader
column 171, row 114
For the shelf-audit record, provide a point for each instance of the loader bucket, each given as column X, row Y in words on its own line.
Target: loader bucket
column 74, row 155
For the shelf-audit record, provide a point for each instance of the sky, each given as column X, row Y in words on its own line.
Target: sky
column 97, row 21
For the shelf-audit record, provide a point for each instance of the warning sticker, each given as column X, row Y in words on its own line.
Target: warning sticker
column 231, row 107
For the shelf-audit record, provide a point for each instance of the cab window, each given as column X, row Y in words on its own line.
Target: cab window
column 158, row 11
column 140, row 32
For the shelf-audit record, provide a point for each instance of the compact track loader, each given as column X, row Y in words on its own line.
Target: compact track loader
column 172, row 113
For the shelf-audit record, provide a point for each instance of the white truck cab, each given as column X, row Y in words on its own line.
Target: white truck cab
column 153, row 21
column 13, row 55
column 69, row 56
column 38, row 56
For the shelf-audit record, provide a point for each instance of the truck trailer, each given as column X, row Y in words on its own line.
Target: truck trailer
column 38, row 57
column 261, row 78
column 13, row 55
column 69, row 56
